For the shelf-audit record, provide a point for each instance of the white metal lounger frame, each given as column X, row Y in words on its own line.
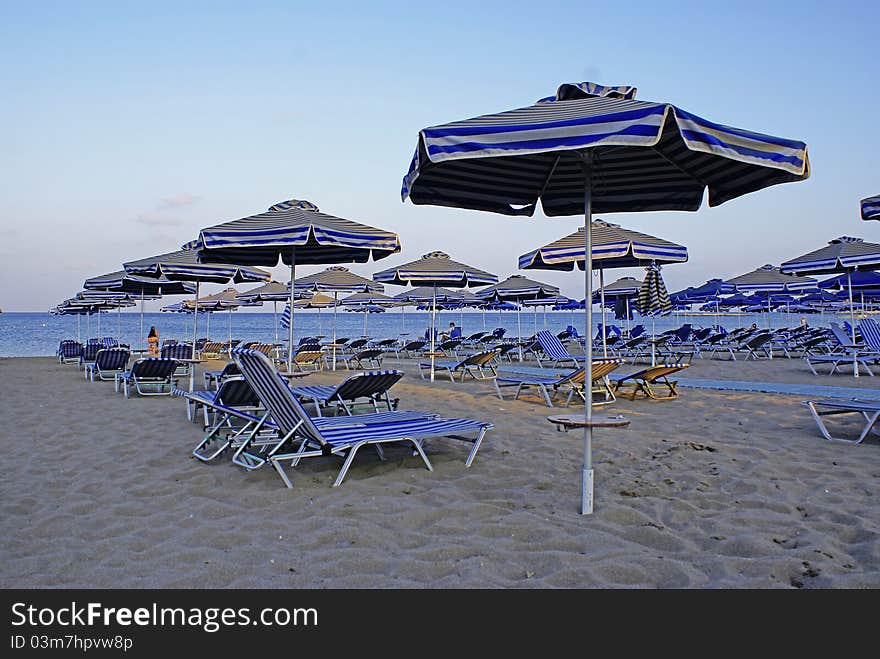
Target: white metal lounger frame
column 292, row 422
column 870, row 411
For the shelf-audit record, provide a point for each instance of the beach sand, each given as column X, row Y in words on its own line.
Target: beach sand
column 715, row 489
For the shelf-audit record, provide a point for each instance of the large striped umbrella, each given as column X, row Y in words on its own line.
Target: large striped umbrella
column 336, row 279
column 146, row 287
column 184, row 265
column 517, row 288
column 298, row 233
column 841, row 255
column 622, row 292
column 594, row 148
column 435, row 269
column 870, row 208
column 612, row 246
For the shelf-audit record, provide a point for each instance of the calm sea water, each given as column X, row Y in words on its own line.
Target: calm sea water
column 38, row 334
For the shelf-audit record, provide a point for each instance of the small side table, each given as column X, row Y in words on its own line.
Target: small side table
column 566, row 421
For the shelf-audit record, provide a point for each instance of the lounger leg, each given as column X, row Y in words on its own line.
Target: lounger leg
column 546, row 395
column 476, row 447
column 498, row 389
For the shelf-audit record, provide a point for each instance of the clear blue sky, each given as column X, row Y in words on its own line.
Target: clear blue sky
column 126, row 127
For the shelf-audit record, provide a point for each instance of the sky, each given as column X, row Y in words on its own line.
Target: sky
column 127, row 127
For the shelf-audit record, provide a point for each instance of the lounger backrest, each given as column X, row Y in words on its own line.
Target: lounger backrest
column 90, row 351
column 602, row 367
column 265, row 348
column 478, row 358
column 112, row 359
column 358, row 343
column 153, row 368
column 237, row 392
column 498, row 332
column 577, row 376
column 759, row 339
column 212, row 347
column 659, row 371
column 307, row 356
column 552, row 346
column 839, row 335
column 455, row 333
column 230, row 370
column 636, row 331
column 109, row 342
column 274, row 393
column 476, row 336
column 449, row 344
column 870, row 333
column 369, row 353
column 71, row 349
column 415, row 345
column 177, row 351
column 369, row 383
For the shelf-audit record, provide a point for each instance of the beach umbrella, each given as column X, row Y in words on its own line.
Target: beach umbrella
column 612, row 246
column 146, row 287
column 870, row 208
column 622, row 292
column 336, row 279
column 591, row 148
column 653, row 300
column 296, row 232
column 517, row 288
column 841, row 255
column 367, row 303
column 184, row 265
column 435, row 269
column 226, row 300
column 770, row 279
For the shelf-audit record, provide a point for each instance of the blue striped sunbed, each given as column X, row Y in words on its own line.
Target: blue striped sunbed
column 108, row 363
column 316, row 440
column 554, row 350
column 150, row 376
column 479, row 362
column 370, row 385
column 69, row 351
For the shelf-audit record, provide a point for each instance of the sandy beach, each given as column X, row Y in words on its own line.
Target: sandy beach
column 717, row 489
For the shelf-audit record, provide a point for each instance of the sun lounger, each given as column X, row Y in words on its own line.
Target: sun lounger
column 108, row 363
column 150, row 376
column 370, row 387
column 343, row 440
column 411, row 348
column 212, row 350
column 554, row 351
column 479, row 362
column 233, row 392
column 308, row 358
column 179, row 351
column 353, row 346
column 370, row 355
column 572, row 382
column 642, row 381
column 447, row 347
column 213, row 379
column 69, row 351
column 868, row 410
column 89, row 354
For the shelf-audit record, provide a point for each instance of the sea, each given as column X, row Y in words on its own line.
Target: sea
column 38, row 334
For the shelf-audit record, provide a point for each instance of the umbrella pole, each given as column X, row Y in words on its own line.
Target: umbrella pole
column 628, row 321
column 519, row 329
column 335, row 306
column 536, row 315
column 587, row 470
column 192, row 371
column 275, row 318
column 852, row 324
column 119, row 324
column 366, row 312
column 602, row 306
column 290, row 326
column 229, row 332
column 78, row 333
column 141, row 335
column 433, row 323
column 769, row 324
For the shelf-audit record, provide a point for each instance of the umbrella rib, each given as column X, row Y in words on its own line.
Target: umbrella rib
column 547, row 179
column 703, row 183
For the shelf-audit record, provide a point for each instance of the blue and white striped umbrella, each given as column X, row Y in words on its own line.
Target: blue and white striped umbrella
column 124, row 282
column 770, row 278
column 591, row 148
column 612, row 247
column 841, row 255
column 296, row 232
column 435, row 269
column 517, row 288
column 870, row 208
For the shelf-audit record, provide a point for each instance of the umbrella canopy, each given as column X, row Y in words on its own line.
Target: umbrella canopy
column 123, row 282
column 294, row 231
column 613, row 247
column 594, row 148
column 844, row 254
column 273, row 291
column 517, row 287
column 294, row 227
column 623, row 287
column 226, row 299
column 839, row 255
column 870, row 208
column 705, row 292
column 735, row 300
column 429, row 293
column 435, row 269
column 337, row 279
column 859, row 279
column 316, row 301
column 769, row 278
column 184, row 265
